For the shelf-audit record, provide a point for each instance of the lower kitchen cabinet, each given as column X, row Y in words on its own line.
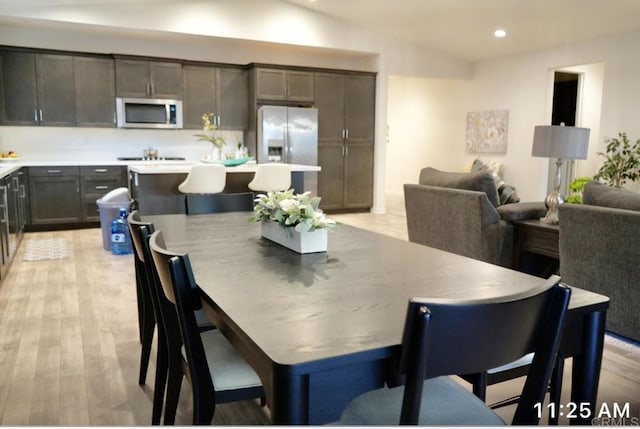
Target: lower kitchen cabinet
column 95, row 183
column 63, row 195
column 54, row 193
column 346, row 179
column 13, row 199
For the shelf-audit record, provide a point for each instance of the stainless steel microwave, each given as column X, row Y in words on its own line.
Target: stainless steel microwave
column 148, row 113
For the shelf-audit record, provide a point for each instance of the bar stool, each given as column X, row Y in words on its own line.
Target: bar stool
column 202, row 181
column 271, row 177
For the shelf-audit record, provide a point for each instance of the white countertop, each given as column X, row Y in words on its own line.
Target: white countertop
column 141, row 167
column 168, row 167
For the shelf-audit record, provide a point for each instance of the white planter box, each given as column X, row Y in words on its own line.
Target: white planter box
column 305, row 242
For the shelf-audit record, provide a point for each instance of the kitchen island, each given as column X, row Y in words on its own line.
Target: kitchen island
column 155, row 186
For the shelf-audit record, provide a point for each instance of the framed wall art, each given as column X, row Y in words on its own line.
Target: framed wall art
column 487, row 131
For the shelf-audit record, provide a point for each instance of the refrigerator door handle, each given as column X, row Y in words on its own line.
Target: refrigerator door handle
column 285, row 143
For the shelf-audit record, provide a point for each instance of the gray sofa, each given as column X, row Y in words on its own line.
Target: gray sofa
column 600, row 252
column 460, row 213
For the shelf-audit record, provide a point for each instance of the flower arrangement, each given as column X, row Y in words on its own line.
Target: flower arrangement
column 211, row 133
column 299, row 211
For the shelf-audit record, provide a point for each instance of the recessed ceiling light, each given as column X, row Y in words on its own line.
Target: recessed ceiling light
column 499, row 33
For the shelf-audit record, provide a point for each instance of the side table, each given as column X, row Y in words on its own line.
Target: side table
column 537, row 238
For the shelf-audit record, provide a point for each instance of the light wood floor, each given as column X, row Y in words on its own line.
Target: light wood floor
column 69, row 349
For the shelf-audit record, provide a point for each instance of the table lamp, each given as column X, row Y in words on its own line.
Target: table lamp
column 560, row 142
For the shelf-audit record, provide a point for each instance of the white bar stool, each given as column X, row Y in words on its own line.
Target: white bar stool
column 203, row 179
column 271, row 177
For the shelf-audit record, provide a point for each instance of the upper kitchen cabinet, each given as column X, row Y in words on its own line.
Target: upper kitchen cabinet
column 223, row 91
column 56, row 92
column 95, row 91
column 20, row 93
column 346, row 123
column 38, row 89
column 148, row 79
column 283, row 85
column 233, row 98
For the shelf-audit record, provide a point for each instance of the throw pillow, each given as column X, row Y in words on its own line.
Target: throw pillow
column 494, row 169
column 506, row 194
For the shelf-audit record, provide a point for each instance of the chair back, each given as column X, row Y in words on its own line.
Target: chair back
column 134, row 229
column 142, row 263
column 176, row 277
column 271, row 177
column 204, row 179
column 446, row 337
column 163, row 305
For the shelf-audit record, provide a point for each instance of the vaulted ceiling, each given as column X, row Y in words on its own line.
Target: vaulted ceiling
column 461, row 28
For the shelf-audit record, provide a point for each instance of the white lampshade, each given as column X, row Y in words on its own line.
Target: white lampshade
column 558, row 141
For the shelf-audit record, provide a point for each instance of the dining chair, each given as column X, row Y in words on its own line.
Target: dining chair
column 146, row 316
column 446, row 337
column 140, row 233
column 512, row 370
column 202, row 181
column 271, row 177
column 216, row 371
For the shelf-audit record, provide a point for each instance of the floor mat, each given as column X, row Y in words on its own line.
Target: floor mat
column 41, row 250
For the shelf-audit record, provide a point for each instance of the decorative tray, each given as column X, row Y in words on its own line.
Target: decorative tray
column 227, row 162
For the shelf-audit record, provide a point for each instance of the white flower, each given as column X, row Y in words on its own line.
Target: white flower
column 289, row 205
column 300, row 211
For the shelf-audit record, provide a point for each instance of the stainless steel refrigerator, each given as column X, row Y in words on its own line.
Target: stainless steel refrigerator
column 288, row 135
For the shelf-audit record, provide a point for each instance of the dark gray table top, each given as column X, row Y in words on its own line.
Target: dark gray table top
column 318, row 307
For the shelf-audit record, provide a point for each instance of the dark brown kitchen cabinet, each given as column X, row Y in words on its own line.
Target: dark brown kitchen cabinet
column 12, row 216
column 233, row 98
column 283, row 85
column 219, row 90
column 38, row 89
column 54, row 194
column 20, row 93
column 95, row 91
column 95, row 182
column 148, row 79
column 56, row 92
column 66, row 195
column 346, row 118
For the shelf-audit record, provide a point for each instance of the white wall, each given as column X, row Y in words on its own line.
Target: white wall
column 523, row 85
column 426, row 120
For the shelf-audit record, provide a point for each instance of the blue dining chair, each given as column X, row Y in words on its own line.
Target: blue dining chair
column 216, row 371
column 446, row 337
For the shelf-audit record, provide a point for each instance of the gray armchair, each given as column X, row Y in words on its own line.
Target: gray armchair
column 459, row 213
column 600, row 252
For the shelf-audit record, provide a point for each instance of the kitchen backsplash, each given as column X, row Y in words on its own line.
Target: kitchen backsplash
column 105, row 144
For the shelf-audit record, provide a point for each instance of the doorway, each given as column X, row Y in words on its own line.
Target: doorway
column 566, row 92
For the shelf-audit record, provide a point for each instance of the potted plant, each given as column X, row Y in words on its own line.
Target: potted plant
column 622, row 161
column 293, row 220
column 576, row 187
column 211, row 135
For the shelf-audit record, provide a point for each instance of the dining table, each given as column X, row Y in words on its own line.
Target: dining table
column 322, row 328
